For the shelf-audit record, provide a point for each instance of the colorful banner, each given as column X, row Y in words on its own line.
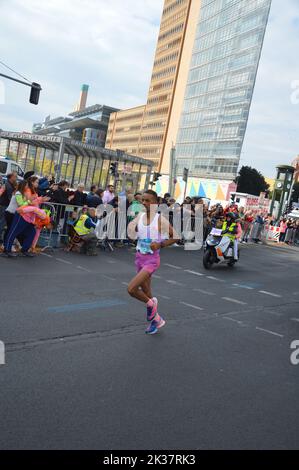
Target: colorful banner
column 215, row 190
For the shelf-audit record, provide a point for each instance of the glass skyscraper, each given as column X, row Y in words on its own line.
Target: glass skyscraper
column 220, row 86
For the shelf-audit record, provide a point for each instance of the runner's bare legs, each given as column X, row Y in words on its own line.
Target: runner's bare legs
column 139, row 287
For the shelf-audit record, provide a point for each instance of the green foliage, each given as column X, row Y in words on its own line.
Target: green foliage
column 251, row 181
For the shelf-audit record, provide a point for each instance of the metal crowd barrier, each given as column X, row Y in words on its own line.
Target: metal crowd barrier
column 62, row 217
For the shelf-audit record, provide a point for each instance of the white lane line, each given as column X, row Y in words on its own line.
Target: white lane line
column 193, row 272
column 164, row 297
column 83, row 269
column 243, row 287
column 156, row 276
column 125, row 283
column 172, row 266
column 269, row 331
column 295, row 319
column 215, row 278
column 202, row 291
column 175, row 283
column 45, row 254
column 234, row 320
column 191, row 306
column 63, row 261
column 269, row 293
column 235, row 301
column 111, row 261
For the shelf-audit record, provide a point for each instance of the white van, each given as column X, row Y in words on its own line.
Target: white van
column 8, row 166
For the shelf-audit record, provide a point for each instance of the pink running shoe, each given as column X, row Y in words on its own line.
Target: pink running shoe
column 151, row 312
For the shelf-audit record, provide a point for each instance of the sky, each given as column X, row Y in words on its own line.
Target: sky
column 110, row 46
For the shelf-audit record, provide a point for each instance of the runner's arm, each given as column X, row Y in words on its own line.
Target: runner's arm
column 132, row 228
column 166, row 227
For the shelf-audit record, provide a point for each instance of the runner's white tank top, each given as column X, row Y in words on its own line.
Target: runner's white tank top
column 147, row 234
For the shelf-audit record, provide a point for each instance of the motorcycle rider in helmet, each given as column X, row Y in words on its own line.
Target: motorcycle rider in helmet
column 230, row 230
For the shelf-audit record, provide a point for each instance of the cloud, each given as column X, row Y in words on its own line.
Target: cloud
column 110, row 46
column 273, row 128
column 62, row 44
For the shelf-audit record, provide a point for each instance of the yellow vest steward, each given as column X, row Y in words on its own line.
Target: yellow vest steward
column 80, row 226
column 230, row 229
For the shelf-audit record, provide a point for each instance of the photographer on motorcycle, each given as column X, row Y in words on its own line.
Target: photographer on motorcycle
column 230, row 230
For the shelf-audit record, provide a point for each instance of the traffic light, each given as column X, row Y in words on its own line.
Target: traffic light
column 185, row 174
column 35, row 92
column 113, row 169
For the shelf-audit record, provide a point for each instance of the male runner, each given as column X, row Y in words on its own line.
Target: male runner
column 149, row 227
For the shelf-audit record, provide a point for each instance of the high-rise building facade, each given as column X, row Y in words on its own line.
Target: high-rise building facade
column 143, row 130
column 220, row 85
column 201, row 88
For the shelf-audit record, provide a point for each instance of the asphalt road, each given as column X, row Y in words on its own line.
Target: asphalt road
column 81, row 374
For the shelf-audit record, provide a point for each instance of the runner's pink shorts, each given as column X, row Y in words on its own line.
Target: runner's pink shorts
column 149, row 263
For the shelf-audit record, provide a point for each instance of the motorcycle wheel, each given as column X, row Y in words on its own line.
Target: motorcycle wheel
column 207, row 260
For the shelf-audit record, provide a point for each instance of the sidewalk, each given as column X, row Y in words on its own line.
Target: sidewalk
column 280, row 245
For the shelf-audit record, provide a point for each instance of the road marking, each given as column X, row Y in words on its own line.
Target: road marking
column 204, row 291
column 295, row 319
column 164, row 297
column 215, row 278
column 111, row 261
column 191, row 306
column 86, row 306
column 125, row 283
column 270, row 332
column 172, row 266
column 45, row 254
column 235, row 301
column 234, row 320
column 175, row 283
column 83, row 269
column 193, row 272
column 63, row 261
column 269, row 293
column 156, row 276
column 242, row 286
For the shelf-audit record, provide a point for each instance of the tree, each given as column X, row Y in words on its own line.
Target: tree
column 295, row 193
column 250, row 181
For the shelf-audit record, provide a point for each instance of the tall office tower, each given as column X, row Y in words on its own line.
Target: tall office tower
column 220, row 86
column 201, row 87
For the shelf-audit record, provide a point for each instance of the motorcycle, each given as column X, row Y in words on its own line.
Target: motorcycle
column 218, row 249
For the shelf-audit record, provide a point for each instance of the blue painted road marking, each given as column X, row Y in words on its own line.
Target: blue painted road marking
column 87, row 306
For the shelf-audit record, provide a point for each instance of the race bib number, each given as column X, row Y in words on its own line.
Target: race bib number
column 144, row 246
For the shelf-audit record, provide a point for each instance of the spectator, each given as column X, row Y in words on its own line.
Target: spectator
column 247, row 226
column 43, row 186
column 79, row 196
column 7, row 192
column 257, row 228
column 282, row 230
column 60, row 195
column 94, row 197
column 108, row 194
column 84, row 228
